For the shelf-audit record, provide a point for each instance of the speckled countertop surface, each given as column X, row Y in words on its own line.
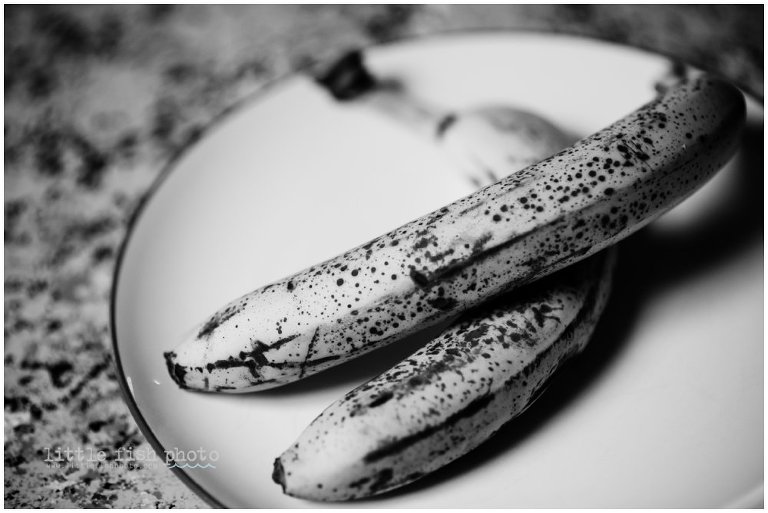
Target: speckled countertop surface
column 98, row 99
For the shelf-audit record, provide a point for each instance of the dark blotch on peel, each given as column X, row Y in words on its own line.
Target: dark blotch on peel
column 360, row 482
column 422, row 243
column 383, row 477
column 278, row 473
column 419, row 278
column 474, row 334
column 216, row 320
column 445, row 124
column 381, row 399
column 208, row 327
column 443, row 303
column 176, row 371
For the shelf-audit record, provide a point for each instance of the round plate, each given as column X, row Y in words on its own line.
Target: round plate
column 664, row 409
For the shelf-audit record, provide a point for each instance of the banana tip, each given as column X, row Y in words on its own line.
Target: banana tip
column 176, row 371
column 278, row 473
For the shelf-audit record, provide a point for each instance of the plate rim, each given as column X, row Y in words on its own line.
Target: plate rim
column 130, row 229
column 264, row 89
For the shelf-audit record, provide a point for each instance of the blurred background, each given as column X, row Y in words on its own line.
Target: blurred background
column 98, row 99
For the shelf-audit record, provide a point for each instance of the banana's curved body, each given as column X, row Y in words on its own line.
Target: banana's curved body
column 452, row 394
column 485, row 143
column 521, row 228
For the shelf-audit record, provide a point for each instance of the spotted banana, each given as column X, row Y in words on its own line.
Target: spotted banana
column 452, row 394
column 484, row 143
column 517, row 230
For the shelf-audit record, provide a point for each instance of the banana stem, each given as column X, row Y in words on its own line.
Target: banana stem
column 348, row 79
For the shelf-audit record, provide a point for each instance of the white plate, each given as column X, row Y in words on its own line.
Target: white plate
column 665, row 409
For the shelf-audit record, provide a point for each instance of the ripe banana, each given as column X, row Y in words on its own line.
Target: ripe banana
column 451, row 395
column 517, row 230
column 484, row 143
column 493, row 141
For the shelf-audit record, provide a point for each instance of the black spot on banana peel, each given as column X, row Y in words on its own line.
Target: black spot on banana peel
column 523, row 227
column 451, row 395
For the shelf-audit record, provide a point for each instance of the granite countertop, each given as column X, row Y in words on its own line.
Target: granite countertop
column 99, row 98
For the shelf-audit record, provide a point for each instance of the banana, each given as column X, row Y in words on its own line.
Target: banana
column 493, row 141
column 484, row 143
column 452, row 394
column 526, row 226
